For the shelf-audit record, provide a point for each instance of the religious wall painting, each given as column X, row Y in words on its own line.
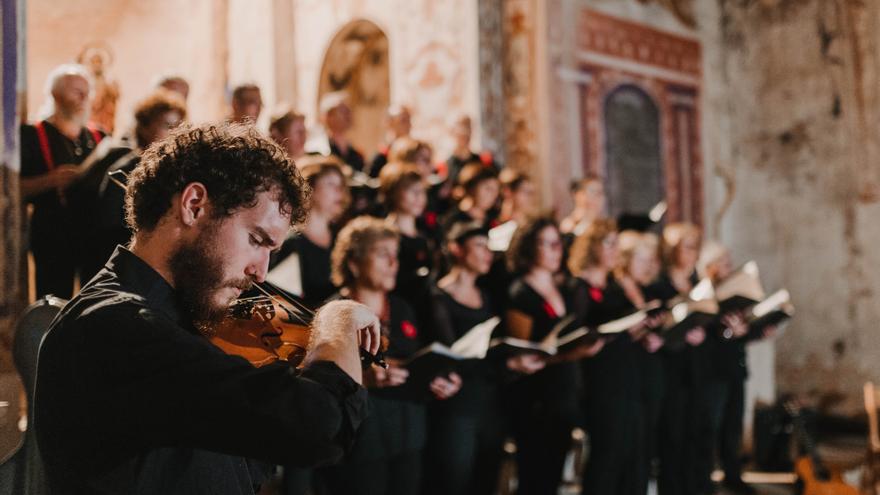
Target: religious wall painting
column 97, row 57
column 642, row 88
column 356, row 62
column 434, row 80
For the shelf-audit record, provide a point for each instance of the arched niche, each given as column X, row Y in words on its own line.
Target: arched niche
column 634, row 178
column 357, row 62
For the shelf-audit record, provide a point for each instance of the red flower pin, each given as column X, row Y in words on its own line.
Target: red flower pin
column 549, row 310
column 430, row 219
column 487, row 159
column 408, row 329
column 596, row 294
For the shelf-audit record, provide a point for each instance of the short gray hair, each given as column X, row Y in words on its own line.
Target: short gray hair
column 53, row 81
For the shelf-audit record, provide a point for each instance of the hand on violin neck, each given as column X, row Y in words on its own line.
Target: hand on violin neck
column 339, row 329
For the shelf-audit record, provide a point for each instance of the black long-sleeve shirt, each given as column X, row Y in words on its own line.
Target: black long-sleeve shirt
column 131, row 399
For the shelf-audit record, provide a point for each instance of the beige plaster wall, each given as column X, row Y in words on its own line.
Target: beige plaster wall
column 148, row 38
column 424, row 35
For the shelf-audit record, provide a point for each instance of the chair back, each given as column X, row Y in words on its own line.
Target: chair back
column 22, row 473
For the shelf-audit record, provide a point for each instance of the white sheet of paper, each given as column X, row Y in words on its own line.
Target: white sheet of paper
column 623, row 324
column 287, row 275
column 475, row 343
column 500, row 236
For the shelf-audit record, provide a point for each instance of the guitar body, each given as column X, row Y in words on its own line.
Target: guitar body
column 813, row 485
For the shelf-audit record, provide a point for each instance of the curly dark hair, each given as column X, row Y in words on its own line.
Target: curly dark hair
column 234, row 162
column 523, row 249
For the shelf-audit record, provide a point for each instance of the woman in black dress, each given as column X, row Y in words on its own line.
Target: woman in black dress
column 683, row 417
column 403, row 190
column 517, row 205
column 612, row 379
column 310, row 245
column 544, row 404
column 466, row 432
column 313, row 241
column 724, row 388
column 387, row 457
column 637, row 270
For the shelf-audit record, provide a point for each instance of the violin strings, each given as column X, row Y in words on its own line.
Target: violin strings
column 302, row 307
column 298, row 312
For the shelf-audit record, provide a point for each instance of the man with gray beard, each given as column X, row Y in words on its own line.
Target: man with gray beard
column 51, row 152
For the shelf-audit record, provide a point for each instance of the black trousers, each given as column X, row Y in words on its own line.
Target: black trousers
column 671, row 479
column 544, row 411
column 398, row 475
column 296, row 481
column 727, row 407
column 615, row 464
column 653, row 382
column 387, row 456
column 463, row 454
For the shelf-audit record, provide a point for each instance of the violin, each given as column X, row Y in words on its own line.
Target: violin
column 271, row 327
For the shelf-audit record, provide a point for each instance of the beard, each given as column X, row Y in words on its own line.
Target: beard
column 73, row 114
column 197, row 270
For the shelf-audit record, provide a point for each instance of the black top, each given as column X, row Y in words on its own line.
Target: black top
column 556, row 386
column 454, row 165
column 452, row 320
column 405, row 336
column 54, row 221
column 396, row 424
column 684, row 364
column 130, row 398
column 380, row 159
column 613, row 373
column 109, row 227
column 314, row 267
column 415, row 261
column 352, row 157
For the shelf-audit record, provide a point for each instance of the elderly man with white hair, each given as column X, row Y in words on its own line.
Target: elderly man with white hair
column 51, row 151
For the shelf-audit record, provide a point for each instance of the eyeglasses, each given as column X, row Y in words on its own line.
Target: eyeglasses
column 556, row 244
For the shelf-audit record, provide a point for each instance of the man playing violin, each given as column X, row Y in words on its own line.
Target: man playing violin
column 131, row 398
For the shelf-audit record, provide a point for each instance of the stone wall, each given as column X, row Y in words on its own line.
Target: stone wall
column 795, row 138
